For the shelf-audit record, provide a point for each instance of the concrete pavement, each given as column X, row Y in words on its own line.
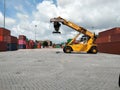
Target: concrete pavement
column 51, row 69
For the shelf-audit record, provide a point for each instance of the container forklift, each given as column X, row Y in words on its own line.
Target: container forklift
column 88, row 39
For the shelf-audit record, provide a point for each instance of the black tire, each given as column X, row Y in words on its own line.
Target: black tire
column 93, row 50
column 67, row 49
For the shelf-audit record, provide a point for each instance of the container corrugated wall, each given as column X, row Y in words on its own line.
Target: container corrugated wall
column 4, row 32
column 22, row 42
column 12, row 46
column 110, row 47
column 115, row 37
column 3, row 46
column 110, row 32
column 109, row 41
column 8, row 42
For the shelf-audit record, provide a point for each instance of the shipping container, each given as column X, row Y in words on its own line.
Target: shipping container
column 21, row 42
column 10, row 39
column 115, row 37
column 38, row 45
column 22, row 37
column 4, row 32
column 110, row 32
column 3, row 46
column 12, row 46
column 31, row 44
column 110, row 47
column 21, row 46
column 2, row 38
column 27, row 46
column 103, row 39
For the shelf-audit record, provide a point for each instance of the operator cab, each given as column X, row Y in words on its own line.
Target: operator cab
column 84, row 39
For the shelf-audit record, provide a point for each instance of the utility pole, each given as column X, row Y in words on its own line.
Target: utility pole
column 35, row 32
column 4, row 11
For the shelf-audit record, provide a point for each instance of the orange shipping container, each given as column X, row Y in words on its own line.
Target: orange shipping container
column 39, row 45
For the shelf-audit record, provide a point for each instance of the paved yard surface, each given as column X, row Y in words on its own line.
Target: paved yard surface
column 51, row 69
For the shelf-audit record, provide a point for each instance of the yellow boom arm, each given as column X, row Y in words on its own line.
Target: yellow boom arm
column 73, row 26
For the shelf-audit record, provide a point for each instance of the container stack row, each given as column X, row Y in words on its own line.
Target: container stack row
column 109, row 41
column 11, row 43
column 7, row 42
column 24, row 43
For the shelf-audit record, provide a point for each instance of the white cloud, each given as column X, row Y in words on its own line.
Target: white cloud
column 19, row 8
column 8, row 21
column 95, row 15
column 22, row 17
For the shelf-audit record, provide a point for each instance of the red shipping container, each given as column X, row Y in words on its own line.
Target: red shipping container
column 31, row 44
column 10, row 39
column 27, row 46
column 110, row 32
column 22, row 37
column 103, row 39
column 3, row 46
column 1, row 38
column 110, row 47
column 115, row 37
column 22, row 42
column 4, row 32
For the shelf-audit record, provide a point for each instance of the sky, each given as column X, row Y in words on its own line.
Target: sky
column 27, row 17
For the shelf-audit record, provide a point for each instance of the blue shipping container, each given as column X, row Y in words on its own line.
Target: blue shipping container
column 12, row 46
column 22, row 46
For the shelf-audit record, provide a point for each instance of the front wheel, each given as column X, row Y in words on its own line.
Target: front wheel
column 67, row 49
column 93, row 50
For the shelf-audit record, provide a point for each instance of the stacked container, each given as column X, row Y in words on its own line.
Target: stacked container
column 109, row 41
column 22, row 42
column 12, row 43
column 3, row 46
column 38, row 45
column 31, row 44
column 3, row 34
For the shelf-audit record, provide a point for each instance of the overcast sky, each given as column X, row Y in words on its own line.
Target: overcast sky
column 23, row 15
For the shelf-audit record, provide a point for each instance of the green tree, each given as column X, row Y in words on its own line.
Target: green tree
column 45, row 44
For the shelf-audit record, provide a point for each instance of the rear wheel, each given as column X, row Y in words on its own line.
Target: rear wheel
column 67, row 49
column 93, row 50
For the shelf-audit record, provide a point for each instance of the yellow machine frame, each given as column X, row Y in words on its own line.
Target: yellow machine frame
column 88, row 46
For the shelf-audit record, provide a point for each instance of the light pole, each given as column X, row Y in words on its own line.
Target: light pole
column 35, row 32
column 4, row 11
